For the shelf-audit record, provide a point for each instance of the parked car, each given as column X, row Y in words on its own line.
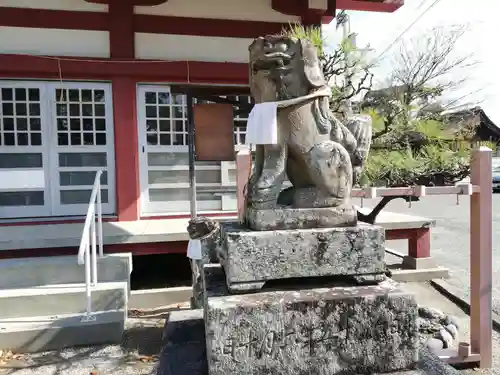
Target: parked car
column 496, row 179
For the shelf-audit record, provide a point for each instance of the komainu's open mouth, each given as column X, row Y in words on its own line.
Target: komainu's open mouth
column 272, row 61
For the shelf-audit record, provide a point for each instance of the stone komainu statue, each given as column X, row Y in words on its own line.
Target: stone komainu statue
column 322, row 157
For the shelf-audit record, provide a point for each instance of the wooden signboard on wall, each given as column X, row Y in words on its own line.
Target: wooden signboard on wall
column 214, row 129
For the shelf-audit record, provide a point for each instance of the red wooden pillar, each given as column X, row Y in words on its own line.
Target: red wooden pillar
column 312, row 19
column 126, row 148
column 419, row 243
column 315, row 11
column 481, row 326
column 121, row 29
column 122, row 46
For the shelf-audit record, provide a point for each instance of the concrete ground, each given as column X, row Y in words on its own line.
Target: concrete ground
column 141, row 347
column 450, row 237
column 138, row 353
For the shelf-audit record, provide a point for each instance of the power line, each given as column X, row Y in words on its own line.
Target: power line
column 421, row 4
column 436, row 2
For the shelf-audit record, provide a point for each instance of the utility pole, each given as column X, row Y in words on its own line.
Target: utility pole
column 343, row 20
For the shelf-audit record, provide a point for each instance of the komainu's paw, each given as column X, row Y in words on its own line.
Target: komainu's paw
column 312, row 197
column 331, row 169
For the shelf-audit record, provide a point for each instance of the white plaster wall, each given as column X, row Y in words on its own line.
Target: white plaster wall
column 193, row 48
column 54, row 42
column 76, row 5
column 248, row 10
column 318, row 4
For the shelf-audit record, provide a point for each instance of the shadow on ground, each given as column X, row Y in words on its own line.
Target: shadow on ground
column 137, row 354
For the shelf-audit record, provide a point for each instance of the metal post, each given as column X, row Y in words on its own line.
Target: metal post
column 192, row 187
column 93, row 248
column 99, row 220
column 346, row 31
column 88, row 291
column 192, row 153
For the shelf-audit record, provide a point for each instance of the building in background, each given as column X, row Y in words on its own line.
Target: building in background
column 86, row 85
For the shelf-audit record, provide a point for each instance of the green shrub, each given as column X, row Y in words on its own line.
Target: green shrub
column 432, row 165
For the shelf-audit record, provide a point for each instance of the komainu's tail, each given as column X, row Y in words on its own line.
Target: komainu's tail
column 361, row 128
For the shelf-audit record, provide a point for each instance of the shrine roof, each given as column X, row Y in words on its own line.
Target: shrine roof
column 386, row 6
column 210, row 90
column 301, row 7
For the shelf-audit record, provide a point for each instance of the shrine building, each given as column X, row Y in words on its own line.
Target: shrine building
column 88, row 85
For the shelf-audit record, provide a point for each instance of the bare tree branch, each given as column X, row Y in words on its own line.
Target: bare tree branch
column 424, row 70
column 428, row 61
column 347, row 73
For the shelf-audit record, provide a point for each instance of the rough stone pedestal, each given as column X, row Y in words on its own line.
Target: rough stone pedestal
column 300, row 218
column 250, row 258
column 324, row 331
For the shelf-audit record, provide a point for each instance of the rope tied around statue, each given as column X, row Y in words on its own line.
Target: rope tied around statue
column 207, row 231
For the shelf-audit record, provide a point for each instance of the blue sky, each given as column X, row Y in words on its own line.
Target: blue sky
column 379, row 30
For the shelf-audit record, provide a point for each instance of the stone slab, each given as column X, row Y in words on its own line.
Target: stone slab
column 321, row 331
column 258, row 256
column 42, row 333
column 184, row 350
column 152, row 299
column 300, row 218
column 35, row 271
column 430, row 274
column 419, row 263
column 392, row 220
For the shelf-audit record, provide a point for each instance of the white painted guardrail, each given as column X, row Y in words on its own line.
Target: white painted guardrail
column 91, row 240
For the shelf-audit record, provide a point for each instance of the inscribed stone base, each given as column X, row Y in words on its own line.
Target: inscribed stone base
column 184, row 349
column 254, row 257
column 324, row 331
column 300, row 218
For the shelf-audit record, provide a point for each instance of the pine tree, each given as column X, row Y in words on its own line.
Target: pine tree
column 413, row 143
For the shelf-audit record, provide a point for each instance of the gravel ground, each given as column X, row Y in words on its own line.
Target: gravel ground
column 427, row 296
column 137, row 355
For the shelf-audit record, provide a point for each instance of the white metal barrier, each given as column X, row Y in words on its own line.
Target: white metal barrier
column 91, row 239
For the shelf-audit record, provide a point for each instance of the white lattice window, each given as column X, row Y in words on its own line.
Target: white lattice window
column 54, row 137
column 165, row 118
column 84, row 144
column 23, row 151
column 240, row 121
column 164, row 171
